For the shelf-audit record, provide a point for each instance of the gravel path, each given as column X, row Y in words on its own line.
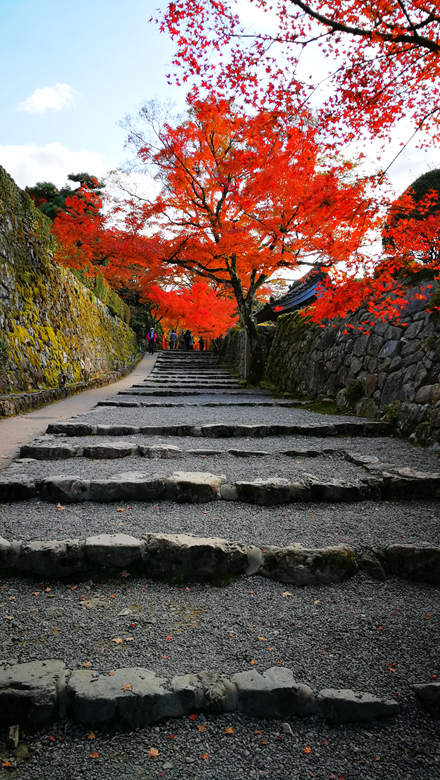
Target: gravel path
column 386, row 449
column 363, row 525
column 257, row 749
column 361, row 634
column 351, row 632
column 234, row 468
column 204, row 416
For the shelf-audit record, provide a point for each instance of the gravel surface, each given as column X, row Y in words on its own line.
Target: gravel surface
column 258, row 749
column 234, row 468
column 386, row 449
column 205, row 416
column 363, row 525
column 362, row 634
column 346, row 635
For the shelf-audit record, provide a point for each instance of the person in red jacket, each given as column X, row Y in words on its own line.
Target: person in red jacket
column 152, row 338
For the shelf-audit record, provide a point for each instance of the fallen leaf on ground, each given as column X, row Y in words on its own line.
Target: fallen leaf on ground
column 60, row 507
column 307, row 750
column 192, row 717
column 287, row 593
column 153, row 753
column 111, row 674
column 262, row 639
column 91, row 735
column 6, row 764
column 86, row 665
column 253, row 662
column 229, row 730
column 205, row 755
column 202, row 727
column 126, row 688
column 129, row 639
column 125, row 574
column 117, row 640
column 120, row 509
column 95, row 754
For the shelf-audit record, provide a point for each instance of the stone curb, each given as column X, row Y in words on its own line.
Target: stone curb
column 171, row 556
column 218, row 430
column 13, row 404
column 39, row 692
column 174, row 404
column 201, row 487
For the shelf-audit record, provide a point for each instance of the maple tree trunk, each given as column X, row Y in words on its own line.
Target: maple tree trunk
column 257, row 366
column 245, row 307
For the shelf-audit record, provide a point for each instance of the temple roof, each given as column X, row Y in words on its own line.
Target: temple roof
column 301, row 293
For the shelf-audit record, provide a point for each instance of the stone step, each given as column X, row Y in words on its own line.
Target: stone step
column 201, row 487
column 307, row 590
column 198, row 559
column 168, row 392
column 217, row 430
column 41, row 691
column 208, row 404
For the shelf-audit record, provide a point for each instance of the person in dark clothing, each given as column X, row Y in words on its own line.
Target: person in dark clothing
column 173, row 339
column 201, row 344
column 187, row 338
column 152, row 338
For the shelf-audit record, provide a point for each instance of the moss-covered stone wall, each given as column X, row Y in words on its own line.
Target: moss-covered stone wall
column 49, row 321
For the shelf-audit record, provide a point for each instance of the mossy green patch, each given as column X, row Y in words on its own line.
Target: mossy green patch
column 53, row 323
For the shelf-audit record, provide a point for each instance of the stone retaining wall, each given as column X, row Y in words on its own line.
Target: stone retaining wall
column 233, row 348
column 49, row 321
column 391, row 371
column 17, row 403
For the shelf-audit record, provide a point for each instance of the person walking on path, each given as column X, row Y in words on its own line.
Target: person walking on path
column 191, row 340
column 186, row 339
column 181, row 340
column 173, row 339
column 201, row 344
column 152, row 338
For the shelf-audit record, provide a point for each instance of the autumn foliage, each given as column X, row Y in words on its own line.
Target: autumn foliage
column 89, row 240
column 383, row 56
column 245, row 195
column 198, row 308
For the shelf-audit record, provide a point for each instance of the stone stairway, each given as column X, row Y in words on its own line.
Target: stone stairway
column 253, row 586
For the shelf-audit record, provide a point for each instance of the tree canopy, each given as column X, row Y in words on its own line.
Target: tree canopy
column 384, row 56
column 244, row 195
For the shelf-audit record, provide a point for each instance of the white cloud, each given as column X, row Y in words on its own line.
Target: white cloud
column 28, row 164
column 57, row 97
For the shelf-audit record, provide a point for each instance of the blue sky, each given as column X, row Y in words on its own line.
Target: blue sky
column 72, row 71
column 87, row 64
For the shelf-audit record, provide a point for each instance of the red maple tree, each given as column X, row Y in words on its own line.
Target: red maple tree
column 198, row 308
column 89, row 239
column 245, row 195
column 385, row 56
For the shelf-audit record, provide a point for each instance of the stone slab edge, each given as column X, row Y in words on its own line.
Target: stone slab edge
column 162, row 556
column 137, row 486
column 44, row 691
